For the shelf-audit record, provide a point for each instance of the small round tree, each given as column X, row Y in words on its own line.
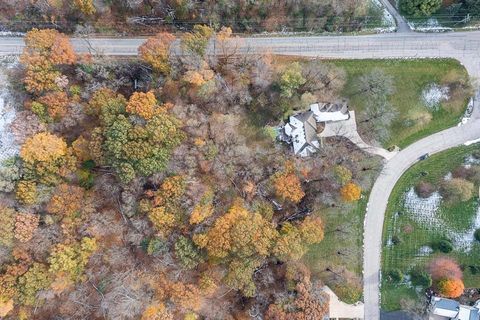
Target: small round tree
column 451, row 288
column 395, row 276
column 420, row 278
column 444, row 246
column 477, row 234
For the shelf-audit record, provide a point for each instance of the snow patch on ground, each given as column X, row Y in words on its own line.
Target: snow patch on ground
column 431, row 25
column 388, row 22
column 424, row 251
column 424, row 210
column 433, row 95
column 8, row 148
column 448, row 176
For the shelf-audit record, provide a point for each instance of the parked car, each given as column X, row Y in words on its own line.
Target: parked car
column 424, row 157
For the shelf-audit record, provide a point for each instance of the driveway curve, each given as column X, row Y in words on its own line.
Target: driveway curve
column 378, row 201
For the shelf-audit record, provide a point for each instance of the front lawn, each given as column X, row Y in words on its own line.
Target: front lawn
column 413, row 224
column 411, row 77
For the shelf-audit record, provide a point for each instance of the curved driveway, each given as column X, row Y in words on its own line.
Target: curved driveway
column 464, row 46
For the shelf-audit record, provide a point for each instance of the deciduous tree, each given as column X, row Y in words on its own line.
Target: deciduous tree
column 25, row 226
column 291, row 80
column 444, row 267
column 351, row 192
column 142, row 104
column 196, row 42
column 66, row 201
column 156, row 52
column 451, row 288
column 287, row 184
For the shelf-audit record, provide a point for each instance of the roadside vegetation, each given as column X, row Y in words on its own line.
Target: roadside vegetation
column 430, row 232
column 140, row 17
column 432, row 15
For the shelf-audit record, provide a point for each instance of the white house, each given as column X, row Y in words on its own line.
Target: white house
column 301, row 129
column 447, row 309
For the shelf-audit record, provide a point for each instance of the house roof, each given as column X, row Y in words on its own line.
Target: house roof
column 452, row 309
column 302, row 128
column 325, row 112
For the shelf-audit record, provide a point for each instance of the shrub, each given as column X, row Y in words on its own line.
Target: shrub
column 456, row 190
column 451, row 288
column 351, row 192
column 421, row 278
column 477, row 234
column 342, row 174
column 444, row 246
column 424, row 189
column 396, row 240
column 395, row 275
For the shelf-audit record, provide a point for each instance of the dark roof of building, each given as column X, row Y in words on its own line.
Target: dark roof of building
column 447, row 304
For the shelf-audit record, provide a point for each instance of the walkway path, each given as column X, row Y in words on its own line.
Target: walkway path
column 342, row 310
column 348, row 129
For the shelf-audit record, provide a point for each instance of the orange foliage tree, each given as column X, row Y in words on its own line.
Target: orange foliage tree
column 55, row 104
column 287, row 184
column 451, row 288
column 156, row 51
column 142, row 104
column 43, row 50
column 50, row 44
column 351, row 192
column 67, row 200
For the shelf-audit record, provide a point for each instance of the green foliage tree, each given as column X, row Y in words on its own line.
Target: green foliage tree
column 477, row 234
column 139, row 149
column 35, row 279
column 418, row 8
column 196, row 42
column 187, row 252
column 395, row 275
column 291, row 80
column 72, row 258
column 342, row 174
column 421, row 278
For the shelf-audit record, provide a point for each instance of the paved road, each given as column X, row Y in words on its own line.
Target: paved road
column 463, row 46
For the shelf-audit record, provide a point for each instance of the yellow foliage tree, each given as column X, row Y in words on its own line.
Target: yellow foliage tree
column 156, row 52
column 287, row 184
column 203, row 209
column 351, row 192
column 26, row 192
column 43, row 148
column 142, row 104
column 239, row 232
column 45, row 157
column 162, row 220
column 85, row 6
column 157, row 311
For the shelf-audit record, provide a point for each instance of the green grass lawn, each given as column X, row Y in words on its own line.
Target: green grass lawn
column 411, row 77
column 458, row 217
